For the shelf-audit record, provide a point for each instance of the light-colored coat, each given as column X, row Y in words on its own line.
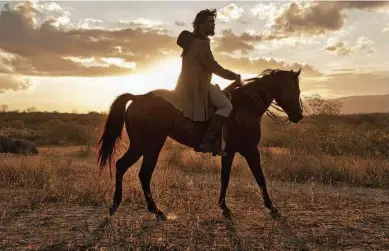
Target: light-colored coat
column 194, row 82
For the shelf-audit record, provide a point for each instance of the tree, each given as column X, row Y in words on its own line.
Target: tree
column 3, row 108
column 31, row 109
column 319, row 106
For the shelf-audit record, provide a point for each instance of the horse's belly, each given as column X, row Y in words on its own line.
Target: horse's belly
column 187, row 132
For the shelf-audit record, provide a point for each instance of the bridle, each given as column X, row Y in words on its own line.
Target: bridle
column 259, row 100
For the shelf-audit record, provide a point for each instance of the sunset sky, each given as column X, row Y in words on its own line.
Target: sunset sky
column 66, row 56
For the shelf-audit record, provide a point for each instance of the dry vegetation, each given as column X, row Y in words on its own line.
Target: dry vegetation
column 329, row 182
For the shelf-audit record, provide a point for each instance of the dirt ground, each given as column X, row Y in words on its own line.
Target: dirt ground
column 315, row 216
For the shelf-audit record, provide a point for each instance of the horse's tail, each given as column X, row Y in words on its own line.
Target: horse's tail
column 113, row 130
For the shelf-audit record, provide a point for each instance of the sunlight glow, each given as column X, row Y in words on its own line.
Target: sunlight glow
column 103, row 62
column 163, row 75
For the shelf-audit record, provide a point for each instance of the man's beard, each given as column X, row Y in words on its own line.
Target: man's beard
column 210, row 33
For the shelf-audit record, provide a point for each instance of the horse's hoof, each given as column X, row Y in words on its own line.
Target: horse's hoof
column 227, row 213
column 112, row 210
column 160, row 216
column 275, row 213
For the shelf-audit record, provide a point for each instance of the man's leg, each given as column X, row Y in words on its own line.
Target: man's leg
column 223, row 110
column 220, row 101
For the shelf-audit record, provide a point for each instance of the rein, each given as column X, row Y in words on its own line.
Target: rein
column 271, row 114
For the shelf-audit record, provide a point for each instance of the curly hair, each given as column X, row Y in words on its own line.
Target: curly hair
column 202, row 16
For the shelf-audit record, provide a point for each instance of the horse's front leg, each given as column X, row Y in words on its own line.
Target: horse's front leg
column 252, row 156
column 225, row 179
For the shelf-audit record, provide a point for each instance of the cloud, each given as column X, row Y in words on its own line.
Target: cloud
column 4, row 65
column 228, row 42
column 314, row 18
column 247, row 41
column 293, row 42
column 90, row 23
column 365, row 5
column 347, row 84
column 246, row 65
column 385, row 29
column 11, row 83
column 343, row 48
column 41, row 10
column 142, row 23
column 43, row 7
column 179, row 23
column 49, row 50
column 264, row 11
column 230, row 12
column 45, row 48
column 365, row 44
column 337, row 46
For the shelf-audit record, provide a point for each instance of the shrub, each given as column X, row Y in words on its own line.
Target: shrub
column 335, row 140
column 17, row 123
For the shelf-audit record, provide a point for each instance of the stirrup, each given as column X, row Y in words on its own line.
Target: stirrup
column 211, row 149
column 220, row 153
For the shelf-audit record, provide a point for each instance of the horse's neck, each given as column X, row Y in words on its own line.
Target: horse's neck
column 261, row 98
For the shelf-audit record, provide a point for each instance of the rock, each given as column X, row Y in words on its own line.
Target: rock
column 5, row 143
column 24, row 147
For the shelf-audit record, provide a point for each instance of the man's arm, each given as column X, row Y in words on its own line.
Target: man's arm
column 206, row 58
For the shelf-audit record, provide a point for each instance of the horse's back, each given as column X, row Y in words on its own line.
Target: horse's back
column 153, row 114
column 170, row 96
column 149, row 109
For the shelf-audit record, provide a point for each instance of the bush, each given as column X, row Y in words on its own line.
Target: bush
column 64, row 133
column 318, row 106
column 335, row 140
column 17, row 123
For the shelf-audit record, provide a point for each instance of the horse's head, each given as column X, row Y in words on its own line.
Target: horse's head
column 281, row 86
column 287, row 94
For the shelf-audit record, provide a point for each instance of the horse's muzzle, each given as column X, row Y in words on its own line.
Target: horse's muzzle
column 295, row 117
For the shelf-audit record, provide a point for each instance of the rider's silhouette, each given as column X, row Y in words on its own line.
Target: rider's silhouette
column 194, row 83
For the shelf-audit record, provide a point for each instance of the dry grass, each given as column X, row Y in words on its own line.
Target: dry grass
column 56, row 201
column 325, row 169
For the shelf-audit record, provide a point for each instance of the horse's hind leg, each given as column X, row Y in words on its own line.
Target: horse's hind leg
column 146, row 172
column 126, row 161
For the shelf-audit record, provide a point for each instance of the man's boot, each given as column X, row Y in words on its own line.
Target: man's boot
column 210, row 144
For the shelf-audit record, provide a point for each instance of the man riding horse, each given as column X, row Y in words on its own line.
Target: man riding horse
column 154, row 116
column 194, row 83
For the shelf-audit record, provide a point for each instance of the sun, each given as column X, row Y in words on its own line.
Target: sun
column 165, row 74
column 162, row 75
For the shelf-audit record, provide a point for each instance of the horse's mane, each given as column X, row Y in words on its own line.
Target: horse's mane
column 263, row 75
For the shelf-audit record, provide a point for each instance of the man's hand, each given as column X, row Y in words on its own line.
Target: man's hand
column 237, row 78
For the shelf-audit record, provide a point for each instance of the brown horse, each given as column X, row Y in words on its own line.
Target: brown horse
column 149, row 120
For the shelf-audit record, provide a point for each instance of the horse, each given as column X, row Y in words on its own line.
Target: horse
column 150, row 119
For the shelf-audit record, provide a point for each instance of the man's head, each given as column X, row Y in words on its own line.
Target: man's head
column 205, row 22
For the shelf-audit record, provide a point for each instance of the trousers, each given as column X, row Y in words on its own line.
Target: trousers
column 220, row 101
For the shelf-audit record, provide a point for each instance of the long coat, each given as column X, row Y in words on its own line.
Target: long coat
column 194, row 81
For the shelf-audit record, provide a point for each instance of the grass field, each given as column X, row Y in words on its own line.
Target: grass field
column 57, row 201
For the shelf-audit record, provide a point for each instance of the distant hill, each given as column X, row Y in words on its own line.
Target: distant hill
column 364, row 104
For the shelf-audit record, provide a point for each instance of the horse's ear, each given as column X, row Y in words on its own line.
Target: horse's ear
column 297, row 73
